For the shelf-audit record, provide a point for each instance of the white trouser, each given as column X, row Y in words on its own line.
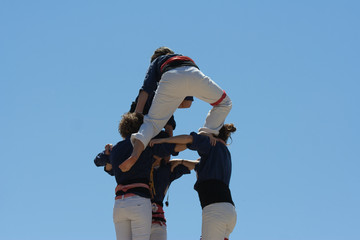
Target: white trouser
column 158, row 232
column 132, row 218
column 173, row 87
column 218, row 221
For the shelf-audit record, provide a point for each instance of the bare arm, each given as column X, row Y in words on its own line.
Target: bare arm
column 187, row 163
column 180, row 147
column 185, row 104
column 180, row 139
column 143, row 96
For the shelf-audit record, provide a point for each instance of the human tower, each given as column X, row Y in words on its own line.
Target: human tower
column 141, row 161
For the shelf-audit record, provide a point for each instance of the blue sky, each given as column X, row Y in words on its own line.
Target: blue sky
column 70, row 69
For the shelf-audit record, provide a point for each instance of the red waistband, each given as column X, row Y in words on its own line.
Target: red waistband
column 124, row 188
column 220, row 99
column 176, row 58
column 126, row 195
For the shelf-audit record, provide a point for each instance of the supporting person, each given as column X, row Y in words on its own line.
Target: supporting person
column 132, row 214
column 213, row 179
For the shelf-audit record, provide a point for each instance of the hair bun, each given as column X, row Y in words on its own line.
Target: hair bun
column 230, row 127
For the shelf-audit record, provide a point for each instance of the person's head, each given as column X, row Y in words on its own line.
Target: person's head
column 161, row 51
column 130, row 123
column 226, row 131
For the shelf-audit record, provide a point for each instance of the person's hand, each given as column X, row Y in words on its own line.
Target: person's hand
column 108, row 148
column 211, row 137
column 108, row 167
column 155, row 141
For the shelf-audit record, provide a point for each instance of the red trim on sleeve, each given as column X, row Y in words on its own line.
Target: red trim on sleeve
column 219, row 101
column 175, row 58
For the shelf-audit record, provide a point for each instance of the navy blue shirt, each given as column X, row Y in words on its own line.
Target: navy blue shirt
column 215, row 162
column 141, row 169
column 213, row 171
column 154, row 72
column 163, row 177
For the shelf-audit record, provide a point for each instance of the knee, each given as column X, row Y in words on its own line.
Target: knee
column 226, row 103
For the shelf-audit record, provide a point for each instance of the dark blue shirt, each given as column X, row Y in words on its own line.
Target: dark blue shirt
column 163, row 177
column 215, row 161
column 155, row 72
column 141, row 169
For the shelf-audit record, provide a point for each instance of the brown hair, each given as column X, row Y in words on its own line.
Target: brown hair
column 130, row 123
column 226, row 131
column 161, row 51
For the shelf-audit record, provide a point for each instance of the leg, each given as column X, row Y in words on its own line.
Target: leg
column 141, row 217
column 217, row 221
column 216, row 117
column 208, row 91
column 168, row 97
column 158, row 232
column 204, row 88
column 231, row 220
column 121, row 222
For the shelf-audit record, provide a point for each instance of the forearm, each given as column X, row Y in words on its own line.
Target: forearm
column 180, row 147
column 180, row 139
column 185, row 104
column 189, row 165
column 143, row 96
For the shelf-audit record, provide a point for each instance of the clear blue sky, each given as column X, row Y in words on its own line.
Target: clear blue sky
column 70, row 69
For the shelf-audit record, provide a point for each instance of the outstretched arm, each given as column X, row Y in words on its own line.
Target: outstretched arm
column 180, row 139
column 190, row 164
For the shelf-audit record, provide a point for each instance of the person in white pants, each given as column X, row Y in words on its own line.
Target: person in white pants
column 132, row 213
column 213, row 179
column 163, row 174
column 174, row 77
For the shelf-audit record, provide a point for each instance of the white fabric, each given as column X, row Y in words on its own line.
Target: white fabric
column 132, row 218
column 173, row 87
column 218, row 221
column 158, row 232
